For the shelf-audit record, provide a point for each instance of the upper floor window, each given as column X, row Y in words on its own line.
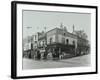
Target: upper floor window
column 35, row 37
column 64, row 34
column 67, row 41
column 43, row 43
column 63, row 40
column 31, row 39
column 35, row 41
column 50, row 40
column 73, row 42
column 39, row 43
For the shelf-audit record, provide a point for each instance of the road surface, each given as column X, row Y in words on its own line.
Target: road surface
column 71, row 62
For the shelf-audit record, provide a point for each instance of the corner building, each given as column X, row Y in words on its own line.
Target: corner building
column 59, row 40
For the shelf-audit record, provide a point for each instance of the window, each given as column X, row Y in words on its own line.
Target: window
column 31, row 39
column 31, row 46
column 67, row 41
column 73, row 42
column 63, row 40
column 35, row 41
column 50, row 40
column 39, row 43
column 64, row 34
column 35, row 37
column 43, row 43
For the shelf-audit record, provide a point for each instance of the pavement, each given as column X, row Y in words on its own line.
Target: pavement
column 71, row 62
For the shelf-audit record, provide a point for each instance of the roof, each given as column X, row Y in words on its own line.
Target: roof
column 68, row 33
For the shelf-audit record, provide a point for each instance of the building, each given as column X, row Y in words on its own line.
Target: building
column 27, row 46
column 58, row 41
column 34, row 40
column 61, row 41
column 83, row 45
column 42, row 39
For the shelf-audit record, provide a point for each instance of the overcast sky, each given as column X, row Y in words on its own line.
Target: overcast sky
column 37, row 20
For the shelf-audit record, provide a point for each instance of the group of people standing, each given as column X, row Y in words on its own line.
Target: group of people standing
column 38, row 55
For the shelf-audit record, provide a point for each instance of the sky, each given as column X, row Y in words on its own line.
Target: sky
column 35, row 21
